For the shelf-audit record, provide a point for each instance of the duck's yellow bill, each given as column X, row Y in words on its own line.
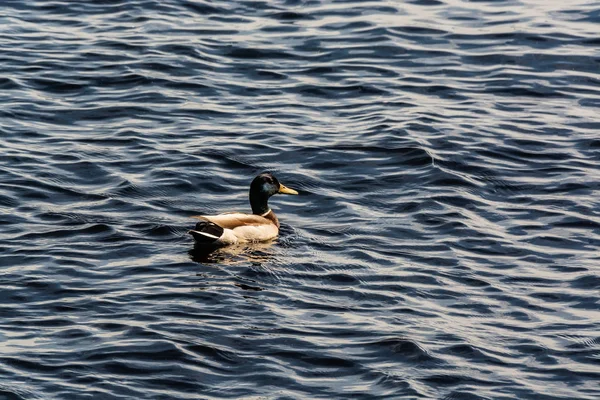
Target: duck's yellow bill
column 285, row 190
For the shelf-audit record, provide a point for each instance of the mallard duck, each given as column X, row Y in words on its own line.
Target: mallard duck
column 231, row 228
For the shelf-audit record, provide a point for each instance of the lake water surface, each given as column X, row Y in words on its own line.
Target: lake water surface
column 445, row 243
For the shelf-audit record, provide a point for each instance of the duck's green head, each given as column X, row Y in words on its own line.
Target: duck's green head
column 262, row 187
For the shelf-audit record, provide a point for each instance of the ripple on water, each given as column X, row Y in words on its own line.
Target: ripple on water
column 444, row 243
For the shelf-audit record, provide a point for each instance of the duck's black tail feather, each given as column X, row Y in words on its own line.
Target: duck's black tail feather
column 206, row 232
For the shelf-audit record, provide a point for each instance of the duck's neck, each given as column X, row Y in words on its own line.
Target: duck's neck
column 259, row 203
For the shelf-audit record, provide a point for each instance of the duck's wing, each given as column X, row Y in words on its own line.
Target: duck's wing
column 235, row 220
column 255, row 233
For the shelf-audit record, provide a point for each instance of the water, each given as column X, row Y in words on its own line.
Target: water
column 445, row 243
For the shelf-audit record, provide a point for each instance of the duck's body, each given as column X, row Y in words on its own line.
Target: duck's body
column 232, row 228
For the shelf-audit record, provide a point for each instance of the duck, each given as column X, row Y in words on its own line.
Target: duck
column 237, row 227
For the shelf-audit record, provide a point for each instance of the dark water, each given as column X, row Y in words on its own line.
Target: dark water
column 446, row 243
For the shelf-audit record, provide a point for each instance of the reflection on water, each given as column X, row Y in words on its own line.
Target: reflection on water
column 255, row 253
column 446, row 245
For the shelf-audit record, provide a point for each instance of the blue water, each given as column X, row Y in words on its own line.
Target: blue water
column 445, row 243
